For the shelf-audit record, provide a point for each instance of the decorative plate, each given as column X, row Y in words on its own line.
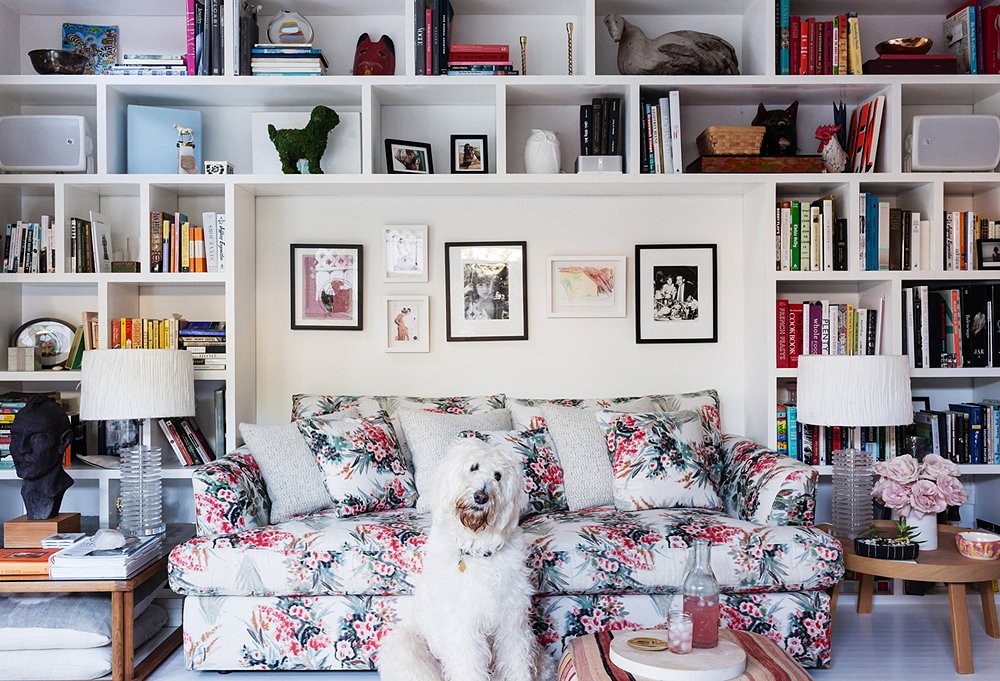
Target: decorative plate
column 53, row 336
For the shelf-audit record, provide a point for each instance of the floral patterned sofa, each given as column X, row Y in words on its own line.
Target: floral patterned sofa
column 320, row 591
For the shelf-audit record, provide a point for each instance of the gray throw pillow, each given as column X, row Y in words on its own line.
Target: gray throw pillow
column 583, row 453
column 430, row 433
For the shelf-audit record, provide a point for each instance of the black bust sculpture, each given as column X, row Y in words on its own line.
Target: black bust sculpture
column 38, row 438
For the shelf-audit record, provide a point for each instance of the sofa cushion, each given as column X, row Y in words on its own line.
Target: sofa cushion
column 658, row 460
column 430, row 433
column 543, row 475
column 527, row 412
column 362, row 465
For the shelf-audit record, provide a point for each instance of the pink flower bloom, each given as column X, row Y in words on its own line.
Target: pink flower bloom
column 894, row 495
column 901, row 469
column 927, row 498
column 935, row 467
column 951, row 489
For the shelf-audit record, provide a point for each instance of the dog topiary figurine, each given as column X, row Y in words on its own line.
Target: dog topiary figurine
column 309, row 143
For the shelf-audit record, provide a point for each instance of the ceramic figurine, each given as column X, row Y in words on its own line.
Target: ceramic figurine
column 781, row 135
column 308, row 143
column 289, row 28
column 677, row 53
column 185, row 151
column 542, row 153
column 374, row 58
column 38, row 439
column 834, row 156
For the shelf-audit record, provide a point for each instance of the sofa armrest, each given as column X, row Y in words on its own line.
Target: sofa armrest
column 762, row 486
column 229, row 495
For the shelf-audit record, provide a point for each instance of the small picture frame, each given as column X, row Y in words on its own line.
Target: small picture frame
column 404, row 253
column 407, row 324
column 413, row 158
column 469, row 155
column 921, row 403
column 676, row 294
column 586, row 286
column 486, row 290
column 326, row 286
column 988, row 254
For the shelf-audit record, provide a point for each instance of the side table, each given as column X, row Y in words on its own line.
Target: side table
column 945, row 565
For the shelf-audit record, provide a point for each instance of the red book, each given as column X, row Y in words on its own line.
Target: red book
column 811, row 43
column 782, row 335
column 116, row 334
column 479, row 48
column 794, row 40
column 804, row 47
column 429, row 50
column 820, row 35
column 827, row 48
column 817, row 435
column 794, row 334
column 991, row 38
column 837, row 439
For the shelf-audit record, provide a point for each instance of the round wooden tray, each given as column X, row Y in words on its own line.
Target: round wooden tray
column 726, row 661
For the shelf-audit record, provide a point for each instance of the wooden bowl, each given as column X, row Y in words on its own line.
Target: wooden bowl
column 911, row 45
column 978, row 545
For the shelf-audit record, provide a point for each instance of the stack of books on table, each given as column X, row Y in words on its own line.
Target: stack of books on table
column 25, row 561
column 83, row 561
column 480, row 60
column 150, row 65
column 268, row 59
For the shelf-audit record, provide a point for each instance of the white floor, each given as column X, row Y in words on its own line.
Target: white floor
column 897, row 642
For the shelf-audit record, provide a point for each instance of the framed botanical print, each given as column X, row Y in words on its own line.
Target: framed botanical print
column 407, row 324
column 404, row 249
column 486, row 290
column 586, row 286
column 326, row 281
column 676, row 294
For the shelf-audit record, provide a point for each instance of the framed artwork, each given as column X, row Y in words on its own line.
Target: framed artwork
column 326, row 281
column 676, row 294
column 469, row 154
column 414, row 158
column 988, row 254
column 486, row 290
column 407, row 324
column 921, row 403
column 586, row 286
column 404, row 250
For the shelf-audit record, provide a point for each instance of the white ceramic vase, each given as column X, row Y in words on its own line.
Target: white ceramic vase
column 542, row 153
column 926, row 530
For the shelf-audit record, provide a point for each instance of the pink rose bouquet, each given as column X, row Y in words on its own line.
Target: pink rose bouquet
column 918, row 489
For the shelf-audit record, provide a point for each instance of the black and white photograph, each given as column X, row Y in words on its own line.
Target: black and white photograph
column 676, row 293
column 468, row 154
column 486, row 291
column 402, row 156
column 988, row 253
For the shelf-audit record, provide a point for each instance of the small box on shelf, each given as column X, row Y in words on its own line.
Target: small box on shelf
column 599, row 164
column 24, row 359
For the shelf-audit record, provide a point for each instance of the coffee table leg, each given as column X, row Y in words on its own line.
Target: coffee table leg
column 960, row 638
column 117, row 636
column 866, row 591
column 989, row 609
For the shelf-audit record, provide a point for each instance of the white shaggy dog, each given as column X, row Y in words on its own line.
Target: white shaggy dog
column 469, row 614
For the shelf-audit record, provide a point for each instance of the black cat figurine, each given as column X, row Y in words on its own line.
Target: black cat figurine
column 780, row 135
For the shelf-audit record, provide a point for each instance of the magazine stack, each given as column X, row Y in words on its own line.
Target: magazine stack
column 83, row 560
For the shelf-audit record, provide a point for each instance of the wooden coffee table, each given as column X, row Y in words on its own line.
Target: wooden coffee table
column 945, row 565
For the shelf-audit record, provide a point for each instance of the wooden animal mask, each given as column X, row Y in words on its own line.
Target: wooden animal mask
column 374, row 59
column 780, row 136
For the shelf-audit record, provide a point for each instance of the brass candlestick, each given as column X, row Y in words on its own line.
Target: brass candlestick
column 569, row 47
column 524, row 55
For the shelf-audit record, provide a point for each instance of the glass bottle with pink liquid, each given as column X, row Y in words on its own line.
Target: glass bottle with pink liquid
column 701, row 597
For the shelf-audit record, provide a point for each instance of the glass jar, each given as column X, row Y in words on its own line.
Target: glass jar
column 679, row 632
column 701, row 597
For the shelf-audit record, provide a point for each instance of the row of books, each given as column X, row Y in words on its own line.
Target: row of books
column 206, row 341
column 81, row 559
column 432, row 36
column 186, row 439
column 600, row 127
column 10, row 404
column 144, row 334
column 972, row 35
column 811, row 46
column 29, row 246
column 952, row 327
column 966, row 433
column 660, row 134
column 177, row 245
column 205, row 20
column 150, row 65
column 824, row 328
column 891, row 238
column 965, row 234
column 808, row 236
column 90, row 245
column 268, row 59
column 815, row 445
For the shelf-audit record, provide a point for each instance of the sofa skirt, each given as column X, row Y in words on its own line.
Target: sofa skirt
column 343, row 632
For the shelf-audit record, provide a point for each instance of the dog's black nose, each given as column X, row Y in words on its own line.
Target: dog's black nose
column 480, row 497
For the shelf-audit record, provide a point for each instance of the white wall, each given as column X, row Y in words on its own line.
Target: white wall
column 562, row 358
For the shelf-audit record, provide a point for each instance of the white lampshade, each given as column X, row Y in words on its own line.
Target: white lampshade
column 861, row 390
column 136, row 384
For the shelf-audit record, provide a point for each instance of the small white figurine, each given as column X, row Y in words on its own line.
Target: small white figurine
column 185, row 151
column 542, row 153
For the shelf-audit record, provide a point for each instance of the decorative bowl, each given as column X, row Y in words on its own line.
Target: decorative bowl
column 885, row 550
column 911, row 45
column 978, row 545
column 49, row 62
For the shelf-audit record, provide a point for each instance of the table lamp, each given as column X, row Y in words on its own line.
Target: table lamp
column 138, row 384
column 853, row 390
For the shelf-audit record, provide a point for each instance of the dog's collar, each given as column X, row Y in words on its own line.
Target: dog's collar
column 475, row 554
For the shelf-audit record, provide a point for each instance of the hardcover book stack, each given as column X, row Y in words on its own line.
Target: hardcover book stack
column 660, row 134
column 480, row 60
column 815, row 445
column 178, row 245
column 30, row 247
column 952, row 326
column 10, row 404
column 25, row 561
column 811, row 46
column 808, row 236
column 205, row 45
column 966, row 433
column 301, row 59
column 186, row 439
column 972, row 37
column 150, row 65
column 891, row 238
column 823, row 328
column 83, row 561
column 432, row 36
column 600, row 127
column 963, row 232
column 206, row 341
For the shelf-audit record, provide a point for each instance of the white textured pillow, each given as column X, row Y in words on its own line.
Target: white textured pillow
column 291, row 473
column 430, row 433
column 583, row 452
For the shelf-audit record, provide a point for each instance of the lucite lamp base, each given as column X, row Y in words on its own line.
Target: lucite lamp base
column 141, row 493
column 852, row 492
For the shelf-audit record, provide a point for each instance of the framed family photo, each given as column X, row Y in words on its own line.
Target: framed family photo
column 486, row 290
column 676, row 294
column 326, row 281
column 404, row 250
column 407, row 324
column 988, row 254
column 586, row 286
column 402, row 156
column 469, row 154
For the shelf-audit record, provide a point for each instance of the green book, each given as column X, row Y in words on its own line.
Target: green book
column 795, row 244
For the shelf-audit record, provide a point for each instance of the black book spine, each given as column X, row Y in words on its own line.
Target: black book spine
column 436, row 8
column 446, row 14
column 25, row 252
column 918, row 330
column 995, row 323
column 606, row 132
column 870, row 341
column 840, row 245
column 895, row 239
column 420, row 37
column 614, row 125
column 6, row 247
column 907, row 238
column 217, row 44
column 203, row 22
column 586, row 120
column 598, row 105
column 975, row 331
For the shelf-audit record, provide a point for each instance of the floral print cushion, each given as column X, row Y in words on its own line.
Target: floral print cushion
column 659, row 460
column 527, row 412
column 765, row 487
column 310, row 406
column 229, row 495
column 543, row 476
column 363, row 467
column 611, row 551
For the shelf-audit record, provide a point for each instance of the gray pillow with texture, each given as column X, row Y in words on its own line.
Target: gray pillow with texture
column 291, row 473
column 430, row 433
column 583, row 452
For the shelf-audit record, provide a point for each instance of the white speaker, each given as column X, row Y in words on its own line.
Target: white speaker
column 959, row 142
column 45, row 144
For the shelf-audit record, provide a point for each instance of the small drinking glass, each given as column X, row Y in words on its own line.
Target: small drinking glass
column 679, row 630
